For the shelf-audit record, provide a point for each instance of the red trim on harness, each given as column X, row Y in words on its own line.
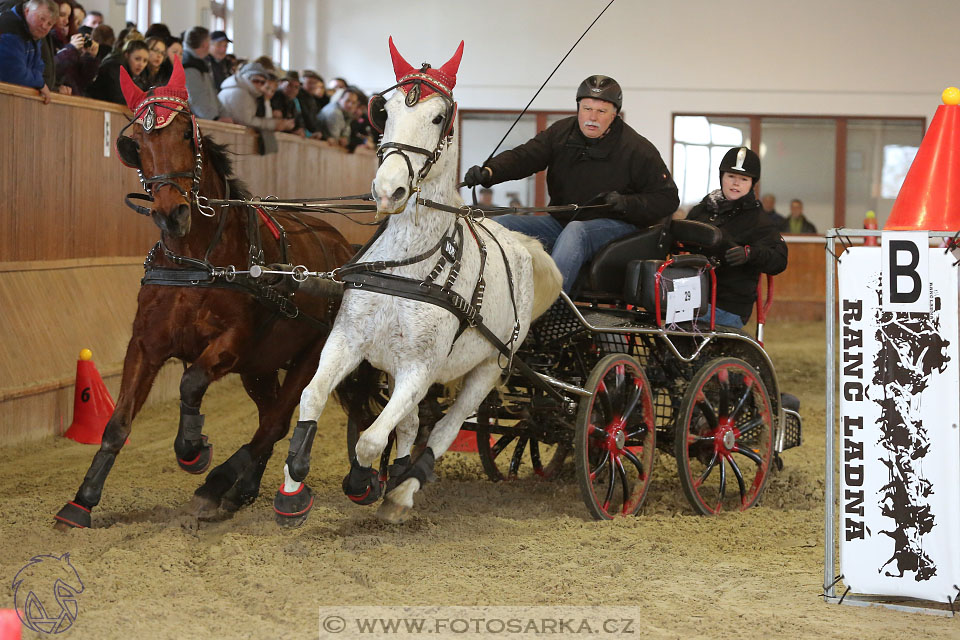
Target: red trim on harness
column 359, row 498
column 298, row 513
column 70, row 522
column 269, row 223
column 293, row 493
column 80, row 506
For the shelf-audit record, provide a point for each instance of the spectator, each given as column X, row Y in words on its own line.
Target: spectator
column 337, row 84
column 199, row 79
column 64, row 28
column 22, row 28
column 313, row 85
column 93, row 20
column 79, row 13
column 103, row 35
column 106, row 86
column 335, row 117
column 77, row 63
column 361, row 133
column 158, row 30
column 287, row 103
column 264, row 107
column 231, row 63
column 796, row 222
column 239, row 97
column 769, row 202
column 486, row 197
column 218, row 58
column 156, row 74
column 126, row 35
column 174, row 50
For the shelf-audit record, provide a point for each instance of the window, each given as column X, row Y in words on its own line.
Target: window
column 800, row 160
column 221, row 12
column 281, row 32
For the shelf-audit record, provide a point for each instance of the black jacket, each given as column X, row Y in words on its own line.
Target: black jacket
column 106, row 86
column 579, row 169
column 743, row 222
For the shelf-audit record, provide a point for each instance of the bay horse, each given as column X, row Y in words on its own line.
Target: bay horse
column 215, row 324
column 495, row 282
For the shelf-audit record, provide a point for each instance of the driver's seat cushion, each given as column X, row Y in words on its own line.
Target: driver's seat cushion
column 603, row 277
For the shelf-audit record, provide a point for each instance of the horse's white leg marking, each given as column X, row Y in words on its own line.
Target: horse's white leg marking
column 337, row 360
column 407, row 430
column 476, row 385
column 410, row 388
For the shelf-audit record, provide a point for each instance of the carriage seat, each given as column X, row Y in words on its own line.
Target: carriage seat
column 603, row 278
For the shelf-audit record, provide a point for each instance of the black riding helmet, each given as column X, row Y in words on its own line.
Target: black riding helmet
column 743, row 161
column 601, row 88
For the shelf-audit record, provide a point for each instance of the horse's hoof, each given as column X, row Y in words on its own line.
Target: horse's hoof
column 201, row 461
column 393, row 513
column 362, row 484
column 292, row 509
column 72, row 516
column 203, row 508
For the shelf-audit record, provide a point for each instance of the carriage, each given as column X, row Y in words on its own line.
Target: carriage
column 604, row 378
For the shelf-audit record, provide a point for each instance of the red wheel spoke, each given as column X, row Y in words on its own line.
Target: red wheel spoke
column 517, row 457
column 706, row 472
column 723, row 484
column 535, row 457
column 708, row 411
column 743, row 400
column 723, row 379
column 635, row 461
column 739, row 475
column 622, row 474
column 750, row 454
column 632, row 401
column 609, row 497
column 595, row 472
column 500, row 445
column 751, row 426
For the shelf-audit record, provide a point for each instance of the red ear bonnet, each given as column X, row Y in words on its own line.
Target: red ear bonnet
column 445, row 76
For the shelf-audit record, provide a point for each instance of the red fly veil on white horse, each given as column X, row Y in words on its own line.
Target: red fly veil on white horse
column 419, row 84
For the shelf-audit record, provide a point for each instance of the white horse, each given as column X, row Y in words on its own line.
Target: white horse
column 415, row 342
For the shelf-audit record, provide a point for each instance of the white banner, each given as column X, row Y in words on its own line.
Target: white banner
column 900, row 447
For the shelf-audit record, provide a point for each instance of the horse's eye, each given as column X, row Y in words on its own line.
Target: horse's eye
column 438, row 119
column 188, row 135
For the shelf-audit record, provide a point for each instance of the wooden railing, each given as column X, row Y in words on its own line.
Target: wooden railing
column 71, row 252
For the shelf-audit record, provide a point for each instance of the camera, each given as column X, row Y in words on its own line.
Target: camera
column 87, row 42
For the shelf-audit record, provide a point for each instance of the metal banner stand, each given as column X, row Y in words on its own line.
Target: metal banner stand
column 830, row 577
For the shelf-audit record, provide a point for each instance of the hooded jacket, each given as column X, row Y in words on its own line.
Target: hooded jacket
column 743, row 222
column 579, row 169
column 239, row 99
column 199, row 80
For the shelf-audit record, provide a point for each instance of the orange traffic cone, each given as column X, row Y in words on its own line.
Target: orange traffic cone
column 930, row 196
column 10, row 625
column 92, row 404
column 466, row 442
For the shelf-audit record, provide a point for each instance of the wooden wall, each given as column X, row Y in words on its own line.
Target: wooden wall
column 71, row 253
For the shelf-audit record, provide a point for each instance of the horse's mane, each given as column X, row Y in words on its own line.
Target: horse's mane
column 218, row 155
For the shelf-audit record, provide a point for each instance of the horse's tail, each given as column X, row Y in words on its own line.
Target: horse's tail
column 547, row 281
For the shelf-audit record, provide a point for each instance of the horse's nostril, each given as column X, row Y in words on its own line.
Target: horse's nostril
column 398, row 193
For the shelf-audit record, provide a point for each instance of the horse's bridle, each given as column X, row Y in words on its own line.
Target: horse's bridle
column 387, row 149
column 146, row 116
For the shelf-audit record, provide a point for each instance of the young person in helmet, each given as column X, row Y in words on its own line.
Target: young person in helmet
column 752, row 244
column 590, row 158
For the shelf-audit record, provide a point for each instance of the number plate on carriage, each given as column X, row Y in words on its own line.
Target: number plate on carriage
column 683, row 300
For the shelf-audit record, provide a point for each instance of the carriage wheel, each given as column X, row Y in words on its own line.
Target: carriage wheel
column 724, row 428
column 504, row 459
column 615, row 438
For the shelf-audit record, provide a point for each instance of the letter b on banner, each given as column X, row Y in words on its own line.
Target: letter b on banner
column 905, row 271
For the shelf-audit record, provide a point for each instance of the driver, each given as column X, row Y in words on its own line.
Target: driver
column 751, row 243
column 590, row 158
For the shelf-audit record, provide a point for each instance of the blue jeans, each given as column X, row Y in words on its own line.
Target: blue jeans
column 725, row 318
column 571, row 246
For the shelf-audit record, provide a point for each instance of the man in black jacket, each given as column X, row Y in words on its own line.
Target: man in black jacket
column 592, row 158
column 752, row 245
